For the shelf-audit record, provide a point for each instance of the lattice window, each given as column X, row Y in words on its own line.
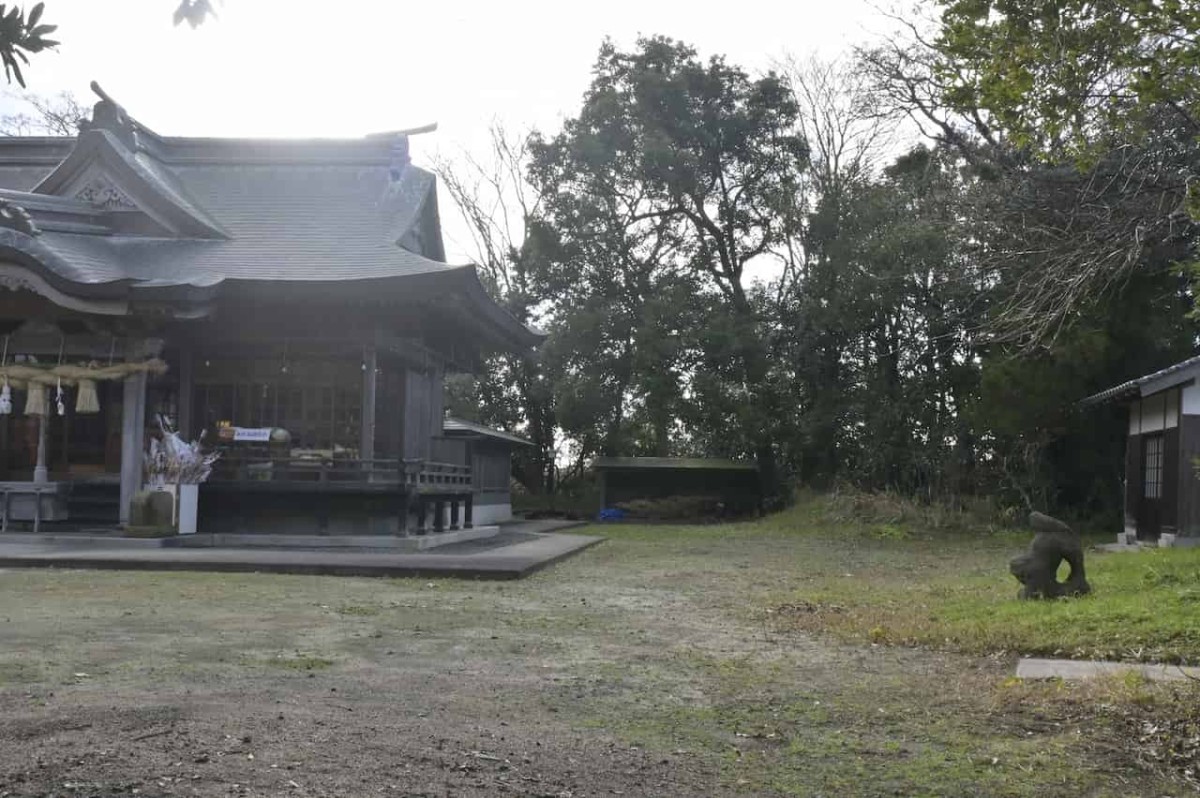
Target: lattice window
column 1153, row 468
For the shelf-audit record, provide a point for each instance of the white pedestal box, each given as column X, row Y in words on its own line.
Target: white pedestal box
column 189, row 501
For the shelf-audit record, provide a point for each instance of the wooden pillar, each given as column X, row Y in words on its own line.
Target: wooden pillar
column 439, row 515
column 469, row 512
column 5, row 448
column 402, row 513
column 366, row 441
column 454, row 512
column 187, row 370
column 421, row 513
column 41, row 474
column 133, row 433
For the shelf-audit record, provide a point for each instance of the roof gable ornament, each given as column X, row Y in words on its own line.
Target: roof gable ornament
column 103, row 194
column 400, row 157
column 108, row 114
column 14, row 217
column 116, row 166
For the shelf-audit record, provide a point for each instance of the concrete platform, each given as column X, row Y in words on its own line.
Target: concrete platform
column 1078, row 670
column 511, row 555
column 431, row 540
column 114, row 540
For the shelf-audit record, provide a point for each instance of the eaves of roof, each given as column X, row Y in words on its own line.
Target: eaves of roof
column 458, row 426
column 1134, row 387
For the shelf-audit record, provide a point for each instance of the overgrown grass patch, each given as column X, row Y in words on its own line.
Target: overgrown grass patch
column 897, row 584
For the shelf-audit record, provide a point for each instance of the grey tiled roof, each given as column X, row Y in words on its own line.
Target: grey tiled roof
column 1133, row 387
column 26, row 160
column 458, row 426
column 215, row 211
column 305, row 222
column 285, row 224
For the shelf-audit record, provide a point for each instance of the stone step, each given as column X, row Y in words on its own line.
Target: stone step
column 1078, row 670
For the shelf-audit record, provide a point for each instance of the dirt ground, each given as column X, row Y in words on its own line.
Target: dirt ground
column 643, row 667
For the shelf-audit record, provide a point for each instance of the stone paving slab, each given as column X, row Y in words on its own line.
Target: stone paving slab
column 513, row 561
column 1078, row 670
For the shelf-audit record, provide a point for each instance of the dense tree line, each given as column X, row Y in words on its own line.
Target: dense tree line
column 741, row 265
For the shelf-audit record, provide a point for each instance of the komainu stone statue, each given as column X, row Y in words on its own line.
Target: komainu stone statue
column 1037, row 568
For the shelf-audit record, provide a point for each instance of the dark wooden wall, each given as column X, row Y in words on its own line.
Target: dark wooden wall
column 1179, row 501
column 451, row 450
column 423, row 408
column 491, row 466
column 1171, row 487
column 1188, row 520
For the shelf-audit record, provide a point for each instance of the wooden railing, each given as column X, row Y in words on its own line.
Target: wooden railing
column 423, row 475
column 251, row 466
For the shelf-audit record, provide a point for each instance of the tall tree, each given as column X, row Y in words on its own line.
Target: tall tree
column 1084, row 117
column 1072, row 76
column 714, row 156
column 502, row 212
column 1081, row 153
column 845, row 132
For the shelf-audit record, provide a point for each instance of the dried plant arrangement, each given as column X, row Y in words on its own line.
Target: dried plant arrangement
column 174, row 461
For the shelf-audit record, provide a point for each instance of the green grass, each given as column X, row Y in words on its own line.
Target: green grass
column 948, row 589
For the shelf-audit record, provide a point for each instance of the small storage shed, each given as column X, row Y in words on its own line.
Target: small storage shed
column 624, row 479
column 489, row 453
column 1162, row 493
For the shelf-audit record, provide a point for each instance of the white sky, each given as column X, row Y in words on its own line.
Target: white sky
column 350, row 67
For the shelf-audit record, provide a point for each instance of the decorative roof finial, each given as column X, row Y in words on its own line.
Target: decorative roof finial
column 400, row 156
column 108, row 115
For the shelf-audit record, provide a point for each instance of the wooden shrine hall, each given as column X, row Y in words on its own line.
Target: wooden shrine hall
column 286, row 299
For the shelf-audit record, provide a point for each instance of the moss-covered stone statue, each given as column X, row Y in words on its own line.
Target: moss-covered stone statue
column 1037, row 568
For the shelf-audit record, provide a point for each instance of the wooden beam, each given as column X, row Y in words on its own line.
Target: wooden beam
column 82, row 347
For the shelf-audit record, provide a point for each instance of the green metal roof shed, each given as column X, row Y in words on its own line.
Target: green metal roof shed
column 622, row 479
